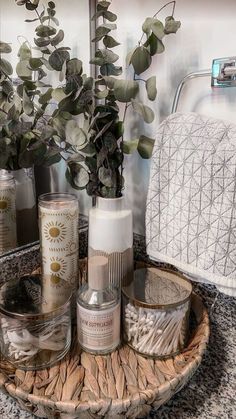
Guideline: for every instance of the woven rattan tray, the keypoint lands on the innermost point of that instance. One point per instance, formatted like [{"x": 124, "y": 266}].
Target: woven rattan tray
[{"x": 121, "y": 385}]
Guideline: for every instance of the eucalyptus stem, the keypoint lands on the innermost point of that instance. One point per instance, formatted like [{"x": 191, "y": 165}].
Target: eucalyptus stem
[{"x": 163, "y": 7}]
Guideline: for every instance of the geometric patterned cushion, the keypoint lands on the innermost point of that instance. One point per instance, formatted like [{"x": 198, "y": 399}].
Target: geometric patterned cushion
[{"x": 191, "y": 205}]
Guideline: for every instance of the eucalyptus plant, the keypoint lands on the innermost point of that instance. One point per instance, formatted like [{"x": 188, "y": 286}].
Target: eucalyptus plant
[{"x": 80, "y": 120}]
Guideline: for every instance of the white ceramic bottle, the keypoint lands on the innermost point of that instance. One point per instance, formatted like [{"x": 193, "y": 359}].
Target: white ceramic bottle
[{"x": 111, "y": 235}]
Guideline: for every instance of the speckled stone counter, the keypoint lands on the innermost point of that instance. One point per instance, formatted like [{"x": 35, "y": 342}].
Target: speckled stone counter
[{"x": 211, "y": 393}]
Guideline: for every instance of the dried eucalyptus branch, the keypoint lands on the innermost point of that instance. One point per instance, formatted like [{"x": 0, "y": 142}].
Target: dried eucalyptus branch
[{"x": 39, "y": 124}]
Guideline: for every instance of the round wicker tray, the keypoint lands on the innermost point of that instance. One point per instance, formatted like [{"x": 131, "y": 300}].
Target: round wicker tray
[{"x": 120, "y": 385}]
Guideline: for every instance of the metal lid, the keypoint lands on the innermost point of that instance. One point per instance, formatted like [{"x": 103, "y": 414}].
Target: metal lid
[
  {"x": 158, "y": 288},
  {"x": 26, "y": 297}
]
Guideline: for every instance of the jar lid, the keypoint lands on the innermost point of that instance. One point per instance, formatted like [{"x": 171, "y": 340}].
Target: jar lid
[
  {"x": 158, "y": 288},
  {"x": 30, "y": 297}
]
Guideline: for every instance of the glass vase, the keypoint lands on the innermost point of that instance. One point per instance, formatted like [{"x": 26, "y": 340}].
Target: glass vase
[{"x": 26, "y": 209}]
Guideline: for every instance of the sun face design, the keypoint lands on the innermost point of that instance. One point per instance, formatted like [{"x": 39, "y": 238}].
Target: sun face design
[
  {"x": 71, "y": 247},
  {"x": 5, "y": 204},
  {"x": 72, "y": 215},
  {"x": 58, "y": 266},
  {"x": 55, "y": 232},
  {"x": 55, "y": 280}
]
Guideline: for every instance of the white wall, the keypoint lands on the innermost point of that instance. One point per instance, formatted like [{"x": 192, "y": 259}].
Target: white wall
[
  {"x": 208, "y": 31},
  {"x": 73, "y": 18}
]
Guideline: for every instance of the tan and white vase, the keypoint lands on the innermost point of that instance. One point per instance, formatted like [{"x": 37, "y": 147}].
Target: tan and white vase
[{"x": 111, "y": 235}]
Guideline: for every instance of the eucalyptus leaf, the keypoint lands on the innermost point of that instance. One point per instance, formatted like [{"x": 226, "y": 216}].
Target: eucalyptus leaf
[
  {"x": 112, "y": 17},
  {"x": 7, "y": 87},
  {"x": 125, "y": 90},
  {"x": 58, "y": 94},
  {"x": 158, "y": 29},
  {"x": 145, "y": 147},
  {"x": 35, "y": 63},
  {"x": 51, "y": 4},
  {"x": 107, "y": 177},
  {"x": 129, "y": 56},
  {"x": 109, "y": 56},
  {"x": 109, "y": 141},
  {"x": 110, "y": 42},
  {"x": 31, "y": 20},
  {"x": 143, "y": 110},
  {"x": 5, "y": 48},
  {"x": 47, "y": 132},
  {"x": 103, "y": 5},
  {"x": 23, "y": 71},
  {"x": 28, "y": 105},
  {"x": 102, "y": 94},
  {"x": 77, "y": 176},
  {"x": 74, "y": 66},
  {"x": 41, "y": 42},
  {"x": 110, "y": 81},
  {"x": 141, "y": 59},
  {"x": 104, "y": 56},
  {"x": 55, "y": 20},
  {"x": 24, "y": 52},
  {"x": 44, "y": 98},
  {"x": 51, "y": 12},
  {"x": 41, "y": 74},
  {"x": 82, "y": 178},
  {"x": 75, "y": 135},
  {"x": 57, "y": 58},
  {"x": 101, "y": 156},
  {"x": 51, "y": 157},
  {"x": 32, "y": 5},
  {"x": 45, "y": 31},
  {"x": 5, "y": 67},
  {"x": 147, "y": 25},
  {"x": 130, "y": 146},
  {"x": 89, "y": 150},
  {"x": 110, "y": 70},
  {"x": 151, "y": 88},
  {"x": 58, "y": 38},
  {"x": 100, "y": 33},
  {"x": 171, "y": 25}
]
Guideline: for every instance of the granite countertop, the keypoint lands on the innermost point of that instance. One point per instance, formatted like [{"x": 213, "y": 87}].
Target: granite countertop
[{"x": 211, "y": 393}]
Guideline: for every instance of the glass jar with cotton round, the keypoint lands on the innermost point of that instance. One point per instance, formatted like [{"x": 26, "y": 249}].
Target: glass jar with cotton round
[
  {"x": 156, "y": 309},
  {"x": 34, "y": 333}
]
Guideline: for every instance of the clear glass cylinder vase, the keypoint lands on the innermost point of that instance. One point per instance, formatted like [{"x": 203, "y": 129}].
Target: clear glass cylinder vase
[
  {"x": 26, "y": 209},
  {"x": 111, "y": 235}
]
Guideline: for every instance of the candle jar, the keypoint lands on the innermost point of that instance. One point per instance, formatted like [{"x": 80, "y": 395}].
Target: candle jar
[
  {"x": 59, "y": 241},
  {"x": 8, "y": 236},
  {"x": 32, "y": 334},
  {"x": 156, "y": 309}
]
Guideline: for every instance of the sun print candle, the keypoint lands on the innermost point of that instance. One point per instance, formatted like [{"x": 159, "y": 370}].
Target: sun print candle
[
  {"x": 59, "y": 242},
  {"x": 8, "y": 239}
]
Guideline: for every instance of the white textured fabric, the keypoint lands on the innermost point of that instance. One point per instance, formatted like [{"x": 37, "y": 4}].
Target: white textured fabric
[{"x": 191, "y": 206}]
